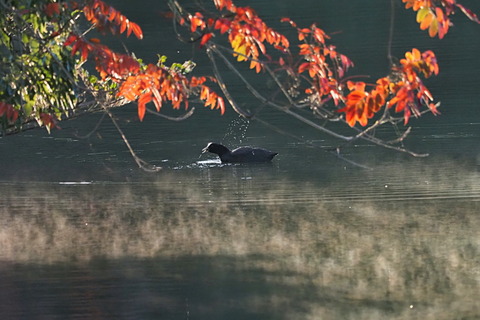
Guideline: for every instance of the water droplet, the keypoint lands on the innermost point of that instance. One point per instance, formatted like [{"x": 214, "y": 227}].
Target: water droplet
[{"x": 236, "y": 131}]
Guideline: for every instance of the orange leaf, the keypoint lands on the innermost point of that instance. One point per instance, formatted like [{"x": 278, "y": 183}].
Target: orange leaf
[
  {"x": 304, "y": 66},
  {"x": 293, "y": 24},
  {"x": 440, "y": 15},
  {"x": 426, "y": 22},
  {"x": 88, "y": 12},
  {"x": 142, "y": 101},
  {"x": 433, "y": 108},
  {"x": 221, "y": 105},
  {"x": 443, "y": 29},
  {"x": 204, "y": 93},
  {"x": 124, "y": 25},
  {"x": 319, "y": 35},
  {"x": 433, "y": 30},
  {"x": 355, "y": 96}
]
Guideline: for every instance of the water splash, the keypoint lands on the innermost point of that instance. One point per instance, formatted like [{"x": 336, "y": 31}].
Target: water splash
[{"x": 236, "y": 132}]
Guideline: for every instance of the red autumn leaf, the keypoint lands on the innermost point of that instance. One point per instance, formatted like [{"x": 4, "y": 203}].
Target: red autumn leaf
[
  {"x": 105, "y": 17},
  {"x": 222, "y": 24},
  {"x": 205, "y": 38},
  {"x": 8, "y": 110},
  {"x": 196, "y": 81},
  {"x": 48, "y": 120},
  {"x": 305, "y": 30},
  {"x": 76, "y": 46},
  {"x": 137, "y": 31},
  {"x": 71, "y": 39},
  {"x": 227, "y": 4},
  {"x": 52, "y": 9},
  {"x": 346, "y": 62},
  {"x": 304, "y": 66},
  {"x": 84, "y": 51}
]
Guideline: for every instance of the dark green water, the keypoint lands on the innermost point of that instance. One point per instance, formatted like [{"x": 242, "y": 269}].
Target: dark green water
[{"x": 84, "y": 234}]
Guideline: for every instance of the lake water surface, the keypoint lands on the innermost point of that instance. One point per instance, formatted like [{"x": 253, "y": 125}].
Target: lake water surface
[{"x": 85, "y": 234}]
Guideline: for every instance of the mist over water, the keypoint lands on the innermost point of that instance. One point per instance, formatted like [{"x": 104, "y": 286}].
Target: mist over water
[
  {"x": 397, "y": 250},
  {"x": 85, "y": 234}
]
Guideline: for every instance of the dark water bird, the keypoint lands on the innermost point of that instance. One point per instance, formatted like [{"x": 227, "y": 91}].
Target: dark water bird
[{"x": 240, "y": 155}]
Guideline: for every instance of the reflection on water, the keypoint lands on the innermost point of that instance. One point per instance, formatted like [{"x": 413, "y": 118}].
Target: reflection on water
[{"x": 233, "y": 244}]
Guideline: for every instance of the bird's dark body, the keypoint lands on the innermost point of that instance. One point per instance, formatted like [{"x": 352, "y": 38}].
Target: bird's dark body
[{"x": 240, "y": 155}]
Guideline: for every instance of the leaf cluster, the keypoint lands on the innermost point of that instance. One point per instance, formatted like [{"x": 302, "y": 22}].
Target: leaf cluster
[
  {"x": 45, "y": 58},
  {"x": 36, "y": 70},
  {"x": 313, "y": 72},
  {"x": 434, "y": 15}
]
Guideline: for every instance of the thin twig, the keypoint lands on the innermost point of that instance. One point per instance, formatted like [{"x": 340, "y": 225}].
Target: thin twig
[
  {"x": 142, "y": 164},
  {"x": 275, "y": 105},
  {"x": 390, "y": 33},
  {"x": 180, "y": 118},
  {"x": 223, "y": 87},
  {"x": 88, "y": 135}
]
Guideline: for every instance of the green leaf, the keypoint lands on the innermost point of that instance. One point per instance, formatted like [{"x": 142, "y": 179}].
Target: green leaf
[
  {"x": 25, "y": 39},
  {"x": 92, "y": 79},
  {"x": 161, "y": 60},
  {"x": 28, "y": 107},
  {"x": 5, "y": 39},
  {"x": 421, "y": 14}
]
